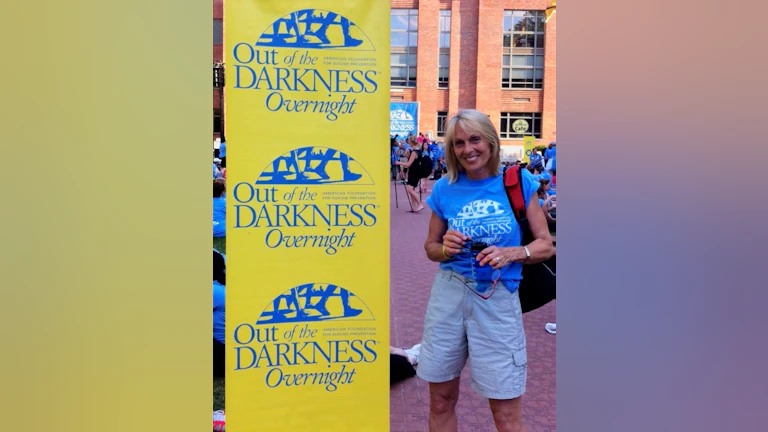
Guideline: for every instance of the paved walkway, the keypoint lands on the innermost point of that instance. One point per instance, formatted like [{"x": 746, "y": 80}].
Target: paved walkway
[{"x": 411, "y": 280}]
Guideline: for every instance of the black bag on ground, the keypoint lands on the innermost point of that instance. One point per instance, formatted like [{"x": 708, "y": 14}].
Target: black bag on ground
[
  {"x": 400, "y": 369},
  {"x": 539, "y": 284}
]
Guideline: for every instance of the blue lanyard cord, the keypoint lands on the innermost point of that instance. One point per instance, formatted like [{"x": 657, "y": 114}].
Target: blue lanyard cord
[{"x": 495, "y": 276}]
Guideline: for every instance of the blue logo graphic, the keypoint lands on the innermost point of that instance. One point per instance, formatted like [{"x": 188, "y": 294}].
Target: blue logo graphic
[
  {"x": 403, "y": 118},
  {"x": 313, "y": 166},
  {"x": 315, "y": 29},
  {"x": 480, "y": 209},
  {"x": 314, "y": 302}
]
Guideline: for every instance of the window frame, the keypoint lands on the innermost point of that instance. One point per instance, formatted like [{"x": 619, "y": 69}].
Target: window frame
[
  {"x": 508, "y": 118},
  {"x": 444, "y": 51},
  {"x": 534, "y": 55},
  {"x": 409, "y": 50},
  {"x": 440, "y": 128},
  {"x": 219, "y": 33}
]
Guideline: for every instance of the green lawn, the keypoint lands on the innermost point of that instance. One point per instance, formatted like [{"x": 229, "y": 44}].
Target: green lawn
[
  {"x": 218, "y": 394},
  {"x": 220, "y": 244}
]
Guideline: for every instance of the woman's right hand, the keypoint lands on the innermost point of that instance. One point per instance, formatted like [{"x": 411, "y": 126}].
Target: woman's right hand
[{"x": 454, "y": 242}]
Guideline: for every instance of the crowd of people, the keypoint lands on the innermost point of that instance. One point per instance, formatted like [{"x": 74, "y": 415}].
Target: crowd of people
[{"x": 414, "y": 160}]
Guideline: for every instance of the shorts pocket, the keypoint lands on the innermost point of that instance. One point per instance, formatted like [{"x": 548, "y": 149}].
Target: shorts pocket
[{"x": 520, "y": 357}]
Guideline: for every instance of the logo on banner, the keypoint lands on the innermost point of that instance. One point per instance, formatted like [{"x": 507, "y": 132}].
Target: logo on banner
[
  {"x": 306, "y": 214},
  {"x": 315, "y": 302},
  {"x": 316, "y": 29},
  {"x": 314, "y": 165},
  {"x": 401, "y": 121},
  {"x": 286, "y": 336},
  {"x": 283, "y": 65}
]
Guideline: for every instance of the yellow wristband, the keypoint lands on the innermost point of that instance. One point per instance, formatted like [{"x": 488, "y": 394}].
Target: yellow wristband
[{"x": 444, "y": 254}]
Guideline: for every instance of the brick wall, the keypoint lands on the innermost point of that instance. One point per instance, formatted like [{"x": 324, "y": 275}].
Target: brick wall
[
  {"x": 426, "y": 70},
  {"x": 404, "y": 4},
  {"x": 475, "y": 64},
  {"x": 549, "y": 118}
]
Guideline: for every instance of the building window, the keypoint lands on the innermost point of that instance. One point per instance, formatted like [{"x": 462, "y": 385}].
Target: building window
[
  {"x": 218, "y": 32},
  {"x": 444, "y": 54},
  {"x": 522, "y": 62},
  {"x": 216, "y": 121},
  {"x": 403, "y": 40},
  {"x": 518, "y": 125},
  {"x": 442, "y": 116}
]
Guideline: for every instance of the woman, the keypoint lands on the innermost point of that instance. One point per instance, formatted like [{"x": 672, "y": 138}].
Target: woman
[
  {"x": 474, "y": 308},
  {"x": 403, "y": 155},
  {"x": 219, "y": 208},
  {"x": 414, "y": 174},
  {"x": 546, "y": 201},
  {"x": 426, "y": 166}
]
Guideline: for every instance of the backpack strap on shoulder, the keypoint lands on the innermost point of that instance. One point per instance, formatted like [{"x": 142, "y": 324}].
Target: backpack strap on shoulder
[{"x": 513, "y": 184}]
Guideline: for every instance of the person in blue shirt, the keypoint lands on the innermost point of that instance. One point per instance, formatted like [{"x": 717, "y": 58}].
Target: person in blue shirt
[
  {"x": 216, "y": 168},
  {"x": 535, "y": 158},
  {"x": 539, "y": 174},
  {"x": 433, "y": 155},
  {"x": 219, "y": 208},
  {"x": 219, "y": 314},
  {"x": 223, "y": 154},
  {"x": 549, "y": 156},
  {"x": 474, "y": 309}
]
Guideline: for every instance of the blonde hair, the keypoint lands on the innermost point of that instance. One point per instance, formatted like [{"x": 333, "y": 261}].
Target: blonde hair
[{"x": 470, "y": 120}]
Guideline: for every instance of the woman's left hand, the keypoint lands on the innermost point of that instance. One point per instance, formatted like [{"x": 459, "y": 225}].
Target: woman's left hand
[{"x": 496, "y": 257}]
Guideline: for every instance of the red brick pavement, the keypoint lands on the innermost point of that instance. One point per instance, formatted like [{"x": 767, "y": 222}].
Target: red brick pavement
[{"x": 411, "y": 280}]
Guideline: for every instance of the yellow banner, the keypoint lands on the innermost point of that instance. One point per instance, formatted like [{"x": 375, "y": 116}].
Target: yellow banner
[
  {"x": 307, "y": 102},
  {"x": 529, "y": 143}
]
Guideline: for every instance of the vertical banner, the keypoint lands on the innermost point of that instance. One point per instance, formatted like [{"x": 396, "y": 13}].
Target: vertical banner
[
  {"x": 308, "y": 216},
  {"x": 529, "y": 143},
  {"x": 403, "y": 118}
]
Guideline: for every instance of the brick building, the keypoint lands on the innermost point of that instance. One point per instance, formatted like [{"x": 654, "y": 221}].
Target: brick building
[{"x": 497, "y": 56}]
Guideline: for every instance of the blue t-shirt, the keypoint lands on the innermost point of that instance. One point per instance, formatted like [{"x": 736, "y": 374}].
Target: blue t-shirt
[
  {"x": 535, "y": 159},
  {"x": 219, "y": 217},
  {"x": 543, "y": 176},
  {"x": 215, "y": 171},
  {"x": 481, "y": 210},
  {"x": 219, "y": 312},
  {"x": 223, "y": 150},
  {"x": 433, "y": 151}
]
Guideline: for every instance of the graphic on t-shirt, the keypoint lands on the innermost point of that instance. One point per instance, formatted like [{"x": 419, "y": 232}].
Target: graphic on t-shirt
[
  {"x": 314, "y": 302},
  {"x": 483, "y": 220},
  {"x": 480, "y": 208}
]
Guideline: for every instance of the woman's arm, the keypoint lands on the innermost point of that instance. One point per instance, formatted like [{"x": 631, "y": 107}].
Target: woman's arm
[
  {"x": 410, "y": 160},
  {"x": 541, "y": 248},
  {"x": 438, "y": 236}
]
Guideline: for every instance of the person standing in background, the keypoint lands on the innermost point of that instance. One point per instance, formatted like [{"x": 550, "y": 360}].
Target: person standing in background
[{"x": 223, "y": 154}]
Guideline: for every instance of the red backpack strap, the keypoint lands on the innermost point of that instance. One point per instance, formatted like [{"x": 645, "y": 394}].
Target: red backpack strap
[{"x": 513, "y": 184}]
